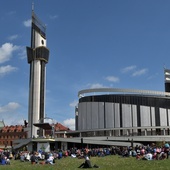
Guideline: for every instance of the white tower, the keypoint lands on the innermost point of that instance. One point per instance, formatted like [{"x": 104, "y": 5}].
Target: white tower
[{"x": 38, "y": 56}]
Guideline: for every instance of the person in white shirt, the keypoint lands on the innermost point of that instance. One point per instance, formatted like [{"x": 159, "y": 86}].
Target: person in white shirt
[
  {"x": 148, "y": 156},
  {"x": 50, "y": 159}
]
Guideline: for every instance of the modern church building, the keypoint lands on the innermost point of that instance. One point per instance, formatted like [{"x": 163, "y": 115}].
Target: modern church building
[{"x": 125, "y": 114}]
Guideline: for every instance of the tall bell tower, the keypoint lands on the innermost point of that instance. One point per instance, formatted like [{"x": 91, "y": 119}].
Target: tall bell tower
[{"x": 37, "y": 56}]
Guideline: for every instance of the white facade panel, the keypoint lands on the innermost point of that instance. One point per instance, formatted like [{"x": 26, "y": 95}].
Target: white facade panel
[
  {"x": 30, "y": 104},
  {"x": 109, "y": 115},
  {"x": 39, "y": 40},
  {"x": 84, "y": 116},
  {"x": 95, "y": 117},
  {"x": 153, "y": 120},
  {"x": 44, "y": 92},
  {"x": 89, "y": 116},
  {"x": 126, "y": 115},
  {"x": 101, "y": 115},
  {"x": 145, "y": 116},
  {"x": 117, "y": 114},
  {"x": 168, "y": 117},
  {"x": 36, "y": 95},
  {"x": 134, "y": 116},
  {"x": 80, "y": 107},
  {"x": 163, "y": 117}
]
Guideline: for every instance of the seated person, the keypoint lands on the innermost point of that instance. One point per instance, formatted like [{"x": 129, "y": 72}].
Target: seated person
[
  {"x": 8, "y": 161},
  {"x": 2, "y": 160},
  {"x": 148, "y": 156},
  {"x": 22, "y": 158},
  {"x": 34, "y": 159},
  {"x": 86, "y": 164},
  {"x": 50, "y": 160},
  {"x": 27, "y": 157}
]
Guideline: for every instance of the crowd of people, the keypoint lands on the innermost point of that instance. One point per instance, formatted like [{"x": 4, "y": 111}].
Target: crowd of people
[
  {"x": 149, "y": 152},
  {"x": 5, "y": 157},
  {"x": 39, "y": 157}
]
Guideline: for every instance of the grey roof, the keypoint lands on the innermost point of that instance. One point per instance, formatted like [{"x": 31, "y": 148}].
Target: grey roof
[{"x": 83, "y": 93}]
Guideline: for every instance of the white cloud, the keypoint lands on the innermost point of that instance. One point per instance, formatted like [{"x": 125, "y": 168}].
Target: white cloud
[
  {"x": 7, "y": 69},
  {"x": 13, "y": 37},
  {"x": 140, "y": 72},
  {"x": 11, "y": 13},
  {"x": 112, "y": 79},
  {"x": 14, "y": 121},
  {"x": 74, "y": 103},
  {"x": 9, "y": 107},
  {"x": 129, "y": 68},
  {"x": 53, "y": 16},
  {"x": 134, "y": 71},
  {"x": 49, "y": 120},
  {"x": 97, "y": 85},
  {"x": 22, "y": 53},
  {"x": 27, "y": 23},
  {"x": 153, "y": 76},
  {"x": 6, "y": 51},
  {"x": 70, "y": 123}
]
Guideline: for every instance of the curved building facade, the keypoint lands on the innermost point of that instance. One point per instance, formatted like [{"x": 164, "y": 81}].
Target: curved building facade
[{"x": 123, "y": 112}]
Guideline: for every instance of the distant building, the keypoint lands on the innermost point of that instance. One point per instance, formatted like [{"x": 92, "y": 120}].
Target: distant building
[
  {"x": 2, "y": 124},
  {"x": 10, "y": 133},
  {"x": 57, "y": 131}
]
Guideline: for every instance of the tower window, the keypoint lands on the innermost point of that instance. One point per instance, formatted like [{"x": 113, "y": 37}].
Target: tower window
[{"x": 42, "y": 42}]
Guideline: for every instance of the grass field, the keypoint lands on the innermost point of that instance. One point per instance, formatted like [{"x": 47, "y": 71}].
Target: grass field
[{"x": 105, "y": 163}]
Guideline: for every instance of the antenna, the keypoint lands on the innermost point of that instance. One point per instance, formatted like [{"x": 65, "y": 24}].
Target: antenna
[
  {"x": 164, "y": 67},
  {"x": 33, "y": 6}
]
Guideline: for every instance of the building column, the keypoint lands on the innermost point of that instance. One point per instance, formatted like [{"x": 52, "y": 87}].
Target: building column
[{"x": 145, "y": 132}]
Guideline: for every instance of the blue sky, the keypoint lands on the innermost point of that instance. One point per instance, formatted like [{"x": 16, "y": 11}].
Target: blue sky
[{"x": 92, "y": 43}]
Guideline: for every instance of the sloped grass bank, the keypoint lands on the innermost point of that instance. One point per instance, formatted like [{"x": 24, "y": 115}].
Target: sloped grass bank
[{"x": 105, "y": 163}]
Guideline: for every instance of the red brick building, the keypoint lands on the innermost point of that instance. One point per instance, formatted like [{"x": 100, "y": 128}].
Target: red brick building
[
  {"x": 58, "y": 127},
  {"x": 10, "y": 133}
]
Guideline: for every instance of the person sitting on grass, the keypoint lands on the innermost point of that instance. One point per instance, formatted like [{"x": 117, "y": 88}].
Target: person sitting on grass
[
  {"x": 50, "y": 160},
  {"x": 4, "y": 160},
  {"x": 125, "y": 153},
  {"x": 34, "y": 159},
  {"x": 27, "y": 158},
  {"x": 22, "y": 157},
  {"x": 148, "y": 156},
  {"x": 87, "y": 163}
]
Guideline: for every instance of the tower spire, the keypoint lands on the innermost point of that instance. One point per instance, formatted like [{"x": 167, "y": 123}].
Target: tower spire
[{"x": 32, "y": 6}]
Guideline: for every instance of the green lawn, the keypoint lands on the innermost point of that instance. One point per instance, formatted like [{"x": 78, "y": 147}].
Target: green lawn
[{"x": 105, "y": 163}]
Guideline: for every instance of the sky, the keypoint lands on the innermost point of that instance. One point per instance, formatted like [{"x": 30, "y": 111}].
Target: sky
[{"x": 92, "y": 43}]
